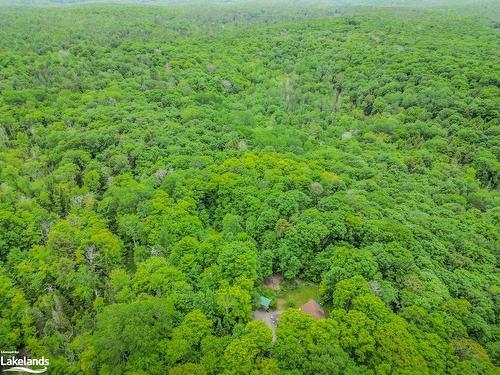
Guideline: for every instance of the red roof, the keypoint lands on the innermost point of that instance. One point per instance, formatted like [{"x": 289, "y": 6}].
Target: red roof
[{"x": 313, "y": 308}]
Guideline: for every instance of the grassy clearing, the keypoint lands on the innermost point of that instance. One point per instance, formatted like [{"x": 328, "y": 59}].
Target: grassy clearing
[{"x": 294, "y": 297}]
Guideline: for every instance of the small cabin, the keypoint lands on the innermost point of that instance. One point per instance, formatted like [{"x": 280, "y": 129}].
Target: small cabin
[
  {"x": 313, "y": 308},
  {"x": 264, "y": 302}
]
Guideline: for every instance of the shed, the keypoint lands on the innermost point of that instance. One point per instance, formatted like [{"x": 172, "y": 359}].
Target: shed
[
  {"x": 264, "y": 302},
  {"x": 313, "y": 308}
]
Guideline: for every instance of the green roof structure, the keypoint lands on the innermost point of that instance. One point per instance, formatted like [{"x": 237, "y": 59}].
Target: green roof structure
[{"x": 264, "y": 302}]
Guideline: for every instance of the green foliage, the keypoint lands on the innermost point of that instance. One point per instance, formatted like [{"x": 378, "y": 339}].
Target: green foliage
[
  {"x": 15, "y": 317},
  {"x": 130, "y": 337},
  {"x": 158, "y": 163}
]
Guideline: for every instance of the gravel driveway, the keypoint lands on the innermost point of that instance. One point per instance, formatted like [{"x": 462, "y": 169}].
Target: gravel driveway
[{"x": 269, "y": 317}]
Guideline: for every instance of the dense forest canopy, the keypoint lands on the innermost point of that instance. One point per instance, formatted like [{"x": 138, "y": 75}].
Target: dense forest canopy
[{"x": 159, "y": 163}]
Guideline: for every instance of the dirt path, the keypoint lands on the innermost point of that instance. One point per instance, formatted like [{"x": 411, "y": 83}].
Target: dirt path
[{"x": 274, "y": 281}]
